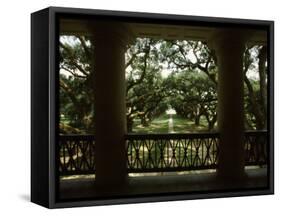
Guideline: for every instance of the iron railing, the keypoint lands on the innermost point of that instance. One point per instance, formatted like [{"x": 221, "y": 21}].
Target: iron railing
[
  {"x": 172, "y": 152},
  {"x": 76, "y": 154},
  {"x": 256, "y": 148},
  {"x": 159, "y": 152}
]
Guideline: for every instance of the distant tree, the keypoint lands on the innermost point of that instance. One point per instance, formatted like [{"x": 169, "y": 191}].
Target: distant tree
[
  {"x": 146, "y": 91},
  {"x": 144, "y": 84},
  {"x": 194, "y": 95},
  {"x": 195, "y": 81},
  {"x": 196, "y": 56},
  {"x": 76, "y": 86},
  {"x": 255, "y": 77},
  {"x": 190, "y": 55}
]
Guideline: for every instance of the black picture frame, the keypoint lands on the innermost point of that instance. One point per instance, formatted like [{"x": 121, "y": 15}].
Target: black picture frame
[{"x": 44, "y": 103}]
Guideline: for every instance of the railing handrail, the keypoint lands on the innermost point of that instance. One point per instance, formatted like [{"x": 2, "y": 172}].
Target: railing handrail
[
  {"x": 76, "y": 136},
  {"x": 249, "y": 132},
  {"x": 171, "y": 135},
  {"x": 164, "y": 135}
]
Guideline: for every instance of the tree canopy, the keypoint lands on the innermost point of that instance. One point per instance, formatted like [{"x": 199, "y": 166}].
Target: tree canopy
[{"x": 159, "y": 73}]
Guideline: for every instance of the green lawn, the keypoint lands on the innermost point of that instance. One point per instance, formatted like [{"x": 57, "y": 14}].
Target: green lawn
[{"x": 160, "y": 125}]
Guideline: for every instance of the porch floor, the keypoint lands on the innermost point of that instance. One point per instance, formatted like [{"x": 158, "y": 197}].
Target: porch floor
[{"x": 170, "y": 183}]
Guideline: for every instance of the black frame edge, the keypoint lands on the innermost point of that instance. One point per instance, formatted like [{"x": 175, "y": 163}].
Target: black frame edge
[
  {"x": 271, "y": 106},
  {"x": 162, "y": 198},
  {"x": 53, "y": 107},
  {"x": 39, "y": 108},
  {"x": 161, "y": 16}
]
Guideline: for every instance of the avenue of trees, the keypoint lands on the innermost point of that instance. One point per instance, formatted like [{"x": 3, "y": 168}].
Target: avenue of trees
[{"x": 159, "y": 73}]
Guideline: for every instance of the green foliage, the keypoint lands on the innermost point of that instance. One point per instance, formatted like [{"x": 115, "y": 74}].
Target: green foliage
[
  {"x": 146, "y": 90},
  {"x": 190, "y": 86},
  {"x": 76, "y": 88},
  {"x": 255, "y": 93},
  {"x": 194, "y": 95}
]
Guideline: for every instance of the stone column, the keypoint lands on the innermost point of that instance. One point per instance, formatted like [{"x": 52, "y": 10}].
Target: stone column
[
  {"x": 229, "y": 47},
  {"x": 109, "y": 40}
]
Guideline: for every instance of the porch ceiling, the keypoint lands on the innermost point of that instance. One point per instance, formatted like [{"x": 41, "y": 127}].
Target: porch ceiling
[{"x": 161, "y": 31}]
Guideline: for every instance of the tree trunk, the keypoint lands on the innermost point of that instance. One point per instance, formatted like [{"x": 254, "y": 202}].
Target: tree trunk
[
  {"x": 197, "y": 120},
  {"x": 255, "y": 106},
  {"x": 144, "y": 121},
  {"x": 262, "y": 73},
  {"x": 130, "y": 123},
  {"x": 211, "y": 123}
]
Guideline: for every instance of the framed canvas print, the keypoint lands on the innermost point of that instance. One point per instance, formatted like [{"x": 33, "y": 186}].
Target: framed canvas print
[{"x": 138, "y": 107}]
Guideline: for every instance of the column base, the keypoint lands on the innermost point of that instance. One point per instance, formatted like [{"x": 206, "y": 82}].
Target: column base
[
  {"x": 232, "y": 180},
  {"x": 112, "y": 188}
]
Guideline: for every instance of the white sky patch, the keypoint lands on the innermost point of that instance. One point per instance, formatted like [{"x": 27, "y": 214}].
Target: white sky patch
[
  {"x": 71, "y": 40},
  {"x": 191, "y": 57},
  {"x": 68, "y": 74},
  {"x": 165, "y": 72},
  {"x": 65, "y": 73},
  {"x": 253, "y": 73}
]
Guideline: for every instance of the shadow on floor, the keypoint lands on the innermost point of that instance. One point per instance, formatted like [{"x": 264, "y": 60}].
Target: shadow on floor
[{"x": 25, "y": 197}]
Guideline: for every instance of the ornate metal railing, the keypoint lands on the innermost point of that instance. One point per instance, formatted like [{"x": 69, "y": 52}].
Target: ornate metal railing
[
  {"x": 256, "y": 147},
  {"x": 159, "y": 152},
  {"x": 172, "y": 152},
  {"x": 76, "y": 154}
]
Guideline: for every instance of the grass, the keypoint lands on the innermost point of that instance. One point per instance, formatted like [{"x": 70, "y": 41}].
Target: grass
[{"x": 160, "y": 125}]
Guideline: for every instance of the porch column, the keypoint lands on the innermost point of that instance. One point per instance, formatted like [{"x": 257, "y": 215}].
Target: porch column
[
  {"x": 229, "y": 47},
  {"x": 109, "y": 40}
]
